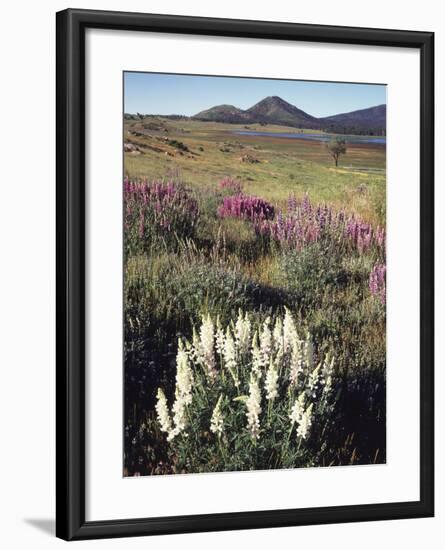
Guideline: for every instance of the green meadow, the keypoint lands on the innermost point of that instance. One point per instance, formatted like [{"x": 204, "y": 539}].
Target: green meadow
[{"x": 284, "y": 165}]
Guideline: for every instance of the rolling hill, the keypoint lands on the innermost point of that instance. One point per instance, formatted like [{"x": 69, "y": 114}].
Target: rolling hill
[
  {"x": 275, "y": 110},
  {"x": 372, "y": 119},
  {"x": 224, "y": 113}
]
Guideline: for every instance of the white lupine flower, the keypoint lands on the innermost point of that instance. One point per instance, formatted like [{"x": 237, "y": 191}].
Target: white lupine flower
[
  {"x": 162, "y": 412},
  {"x": 328, "y": 369},
  {"x": 297, "y": 409},
  {"x": 219, "y": 337},
  {"x": 309, "y": 352},
  {"x": 278, "y": 333},
  {"x": 207, "y": 341},
  {"x": 296, "y": 361},
  {"x": 279, "y": 356},
  {"x": 273, "y": 350},
  {"x": 266, "y": 343},
  {"x": 195, "y": 350},
  {"x": 229, "y": 350},
  {"x": 305, "y": 423},
  {"x": 189, "y": 349},
  {"x": 230, "y": 356},
  {"x": 184, "y": 375},
  {"x": 290, "y": 334},
  {"x": 217, "y": 420},
  {"x": 271, "y": 383},
  {"x": 314, "y": 377},
  {"x": 257, "y": 362},
  {"x": 179, "y": 416},
  {"x": 183, "y": 393},
  {"x": 253, "y": 405},
  {"x": 242, "y": 332}
]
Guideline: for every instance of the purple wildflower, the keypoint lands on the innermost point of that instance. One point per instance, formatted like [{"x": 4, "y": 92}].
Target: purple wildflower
[
  {"x": 231, "y": 185},
  {"x": 377, "y": 282},
  {"x": 246, "y": 207},
  {"x": 305, "y": 223},
  {"x": 157, "y": 208}
]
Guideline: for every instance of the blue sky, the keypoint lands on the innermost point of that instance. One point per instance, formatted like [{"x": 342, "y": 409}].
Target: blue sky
[{"x": 154, "y": 93}]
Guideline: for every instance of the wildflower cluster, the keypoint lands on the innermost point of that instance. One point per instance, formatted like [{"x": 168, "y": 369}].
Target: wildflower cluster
[
  {"x": 377, "y": 282},
  {"x": 247, "y": 207},
  {"x": 157, "y": 210},
  {"x": 231, "y": 184},
  {"x": 305, "y": 223},
  {"x": 247, "y": 382}
]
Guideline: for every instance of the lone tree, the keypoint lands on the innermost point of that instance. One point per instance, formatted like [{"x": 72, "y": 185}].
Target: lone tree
[{"x": 336, "y": 147}]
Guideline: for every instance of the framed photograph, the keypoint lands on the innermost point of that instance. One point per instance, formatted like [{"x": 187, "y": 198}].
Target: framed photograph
[{"x": 245, "y": 216}]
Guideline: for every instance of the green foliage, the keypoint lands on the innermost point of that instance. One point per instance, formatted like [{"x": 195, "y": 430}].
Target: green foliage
[
  {"x": 330, "y": 291},
  {"x": 178, "y": 145},
  {"x": 336, "y": 147},
  {"x": 312, "y": 271}
]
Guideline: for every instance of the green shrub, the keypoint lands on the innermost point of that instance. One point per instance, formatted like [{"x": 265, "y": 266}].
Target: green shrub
[{"x": 310, "y": 272}]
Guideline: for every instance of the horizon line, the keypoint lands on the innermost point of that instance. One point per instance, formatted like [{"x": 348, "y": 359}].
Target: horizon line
[{"x": 245, "y": 110}]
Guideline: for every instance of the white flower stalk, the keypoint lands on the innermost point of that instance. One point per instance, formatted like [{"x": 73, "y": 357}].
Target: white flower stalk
[
  {"x": 305, "y": 423},
  {"x": 183, "y": 396},
  {"x": 242, "y": 332},
  {"x": 271, "y": 382},
  {"x": 207, "y": 342},
  {"x": 219, "y": 344},
  {"x": 162, "y": 412},
  {"x": 296, "y": 361},
  {"x": 195, "y": 348},
  {"x": 229, "y": 350},
  {"x": 278, "y": 333},
  {"x": 314, "y": 378},
  {"x": 179, "y": 416},
  {"x": 253, "y": 405},
  {"x": 229, "y": 353},
  {"x": 326, "y": 375},
  {"x": 257, "y": 361},
  {"x": 309, "y": 352},
  {"x": 290, "y": 334},
  {"x": 266, "y": 343},
  {"x": 297, "y": 409},
  {"x": 217, "y": 420},
  {"x": 279, "y": 356},
  {"x": 184, "y": 375}
]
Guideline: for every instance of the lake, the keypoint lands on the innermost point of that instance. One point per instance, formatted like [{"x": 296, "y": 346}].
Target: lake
[{"x": 380, "y": 140}]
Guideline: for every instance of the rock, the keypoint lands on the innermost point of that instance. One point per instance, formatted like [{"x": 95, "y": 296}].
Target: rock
[
  {"x": 130, "y": 148},
  {"x": 249, "y": 159}
]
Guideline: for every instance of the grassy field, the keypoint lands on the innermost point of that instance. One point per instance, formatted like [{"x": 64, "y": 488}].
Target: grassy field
[
  {"x": 231, "y": 234},
  {"x": 284, "y": 165}
]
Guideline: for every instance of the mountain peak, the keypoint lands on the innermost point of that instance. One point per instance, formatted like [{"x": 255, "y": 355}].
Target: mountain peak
[
  {"x": 277, "y": 99},
  {"x": 272, "y": 100},
  {"x": 274, "y": 109}
]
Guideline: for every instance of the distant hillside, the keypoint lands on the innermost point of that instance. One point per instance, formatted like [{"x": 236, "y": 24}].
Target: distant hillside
[
  {"x": 270, "y": 110},
  {"x": 275, "y": 110},
  {"x": 224, "y": 113},
  {"x": 372, "y": 120}
]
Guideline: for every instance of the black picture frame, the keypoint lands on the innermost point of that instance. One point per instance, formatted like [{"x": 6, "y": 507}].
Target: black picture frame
[{"x": 70, "y": 174}]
